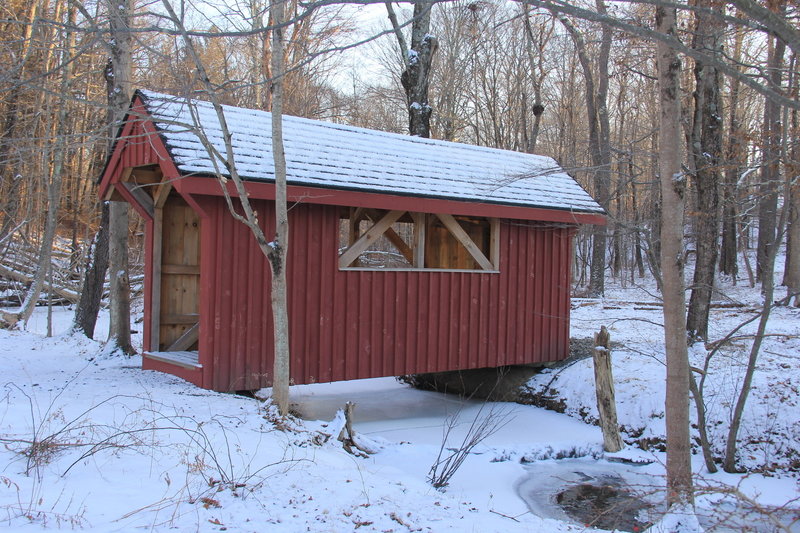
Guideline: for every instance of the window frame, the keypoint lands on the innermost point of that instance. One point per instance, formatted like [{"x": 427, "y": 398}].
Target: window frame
[{"x": 382, "y": 222}]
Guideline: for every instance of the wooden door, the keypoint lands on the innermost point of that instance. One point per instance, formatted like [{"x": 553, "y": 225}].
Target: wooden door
[{"x": 180, "y": 276}]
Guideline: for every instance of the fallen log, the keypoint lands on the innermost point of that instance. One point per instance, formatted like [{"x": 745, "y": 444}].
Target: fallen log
[{"x": 67, "y": 294}]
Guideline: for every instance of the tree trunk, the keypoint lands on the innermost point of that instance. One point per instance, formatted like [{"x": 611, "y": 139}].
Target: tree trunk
[
  {"x": 706, "y": 152},
  {"x": 536, "y": 63},
  {"x": 602, "y": 177},
  {"x": 119, "y": 90},
  {"x": 770, "y": 171},
  {"x": 119, "y": 331},
  {"x": 734, "y": 153},
  {"x": 702, "y": 426},
  {"x": 791, "y": 272},
  {"x": 280, "y": 246},
  {"x": 599, "y": 139},
  {"x": 274, "y": 251},
  {"x": 637, "y": 236},
  {"x": 673, "y": 189},
  {"x": 417, "y": 60},
  {"x": 94, "y": 278},
  {"x": 616, "y": 238}
]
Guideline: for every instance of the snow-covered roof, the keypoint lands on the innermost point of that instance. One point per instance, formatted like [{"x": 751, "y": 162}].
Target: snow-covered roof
[{"x": 335, "y": 156}]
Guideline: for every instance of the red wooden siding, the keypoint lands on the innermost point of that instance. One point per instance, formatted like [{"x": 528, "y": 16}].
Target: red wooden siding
[
  {"x": 356, "y": 324},
  {"x": 138, "y": 144},
  {"x": 139, "y": 150},
  {"x": 359, "y": 324}
]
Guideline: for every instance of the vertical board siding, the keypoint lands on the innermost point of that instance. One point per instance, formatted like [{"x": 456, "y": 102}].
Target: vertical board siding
[
  {"x": 139, "y": 150},
  {"x": 348, "y": 324}
]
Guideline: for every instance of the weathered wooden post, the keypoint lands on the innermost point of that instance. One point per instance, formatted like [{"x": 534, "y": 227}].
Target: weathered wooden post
[{"x": 604, "y": 389}]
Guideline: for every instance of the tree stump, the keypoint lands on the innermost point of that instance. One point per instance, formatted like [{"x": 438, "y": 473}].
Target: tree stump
[
  {"x": 604, "y": 388},
  {"x": 348, "y": 437}
]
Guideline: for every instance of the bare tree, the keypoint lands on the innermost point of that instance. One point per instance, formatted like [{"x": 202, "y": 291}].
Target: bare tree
[
  {"x": 792, "y": 270},
  {"x": 599, "y": 138},
  {"x": 95, "y": 269},
  {"x": 706, "y": 153},
  {"x": 770, "y": 169},
  {"x": 536, "y": 63},
  {"x": 768, "y": 289},
  {"x": 276, "y": 250},
  {"x": 21, "y": 53},
  {"x": 673, "y": 190},
  {"x": 760, "y": 83},
  {"x": 118, "y": 83},
  {"x": 54, "y": 183},
  {"x": 792, "y": 266},
  {"x": 279, "y": 248},
  {"x": 728, "y": 263},
  {"x": 417, "y": 60}
]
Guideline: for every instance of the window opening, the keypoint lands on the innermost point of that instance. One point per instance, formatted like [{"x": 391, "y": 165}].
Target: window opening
[{"x": 380, "y": 239}]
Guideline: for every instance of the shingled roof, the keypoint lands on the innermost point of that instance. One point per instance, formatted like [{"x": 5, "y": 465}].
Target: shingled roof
[{"x": 335, "y": 156}]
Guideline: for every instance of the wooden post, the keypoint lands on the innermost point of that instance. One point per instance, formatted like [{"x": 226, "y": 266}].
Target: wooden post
[
  {"x": 604, "y": 388},
  {"x": 419, "y": 239},
  {"x": 155, "y": 281}
]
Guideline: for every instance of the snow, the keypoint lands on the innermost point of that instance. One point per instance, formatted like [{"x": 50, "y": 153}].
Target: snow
[
  {"x": 771, "y": 428},
  {"x": 128, "y": 450},
  {"x": 679, "y": 519},
  {"x": 121, "y": 449},
  {"x": 324, "y": 154}
]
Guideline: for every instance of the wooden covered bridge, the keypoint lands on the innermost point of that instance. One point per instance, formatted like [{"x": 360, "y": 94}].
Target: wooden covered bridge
[{"x": 406, "y": 255}]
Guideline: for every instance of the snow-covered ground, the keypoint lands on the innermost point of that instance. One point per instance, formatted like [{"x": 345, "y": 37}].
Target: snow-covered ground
[
  {"x": 119, "y": 449},
  {"x": 770, "y": 434}
]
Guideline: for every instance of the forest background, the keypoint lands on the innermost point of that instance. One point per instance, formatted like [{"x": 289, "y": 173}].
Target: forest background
[{"x": 503, "y": 74}]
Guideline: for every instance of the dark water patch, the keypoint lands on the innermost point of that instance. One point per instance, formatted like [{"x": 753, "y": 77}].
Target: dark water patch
[
  {"x": 595, "y": 493},
  {"x": 604, "y": 503}
]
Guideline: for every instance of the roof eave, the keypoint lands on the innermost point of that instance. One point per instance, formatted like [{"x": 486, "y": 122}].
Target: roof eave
[{"x": 207, "y": 185}]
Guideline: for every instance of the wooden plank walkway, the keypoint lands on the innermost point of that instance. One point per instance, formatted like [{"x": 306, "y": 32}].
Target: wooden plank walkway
[{"x": 184, "y": 359}]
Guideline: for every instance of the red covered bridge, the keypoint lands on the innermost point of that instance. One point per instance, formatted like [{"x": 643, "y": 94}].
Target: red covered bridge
[{"x": 406, "y": 255}]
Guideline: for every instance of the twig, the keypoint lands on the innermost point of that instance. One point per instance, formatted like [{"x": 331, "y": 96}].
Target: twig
[{"x": 514, "y": 518}]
